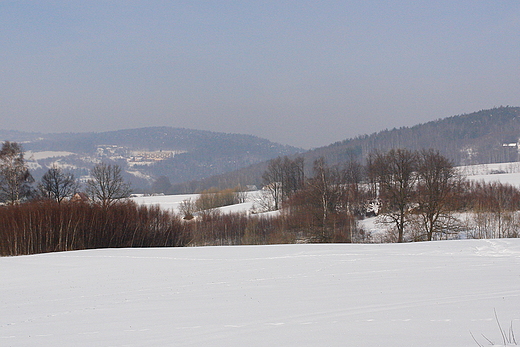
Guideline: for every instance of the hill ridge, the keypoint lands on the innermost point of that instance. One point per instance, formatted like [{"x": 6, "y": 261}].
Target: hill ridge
[
  {"x": 470, "y": 138},
  {"x": 195, "y": 154}
]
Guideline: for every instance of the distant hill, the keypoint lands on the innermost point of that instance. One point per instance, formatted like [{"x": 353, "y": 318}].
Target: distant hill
[
  {"x": 192, "y": 160},
  {"x": 18, "y": 136},
  {"x": 475, "y": 138},
  {"x": 148, "y": 153}
]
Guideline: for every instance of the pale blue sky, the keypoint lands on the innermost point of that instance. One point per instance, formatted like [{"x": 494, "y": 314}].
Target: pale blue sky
[{"x": 305, "y": 73}]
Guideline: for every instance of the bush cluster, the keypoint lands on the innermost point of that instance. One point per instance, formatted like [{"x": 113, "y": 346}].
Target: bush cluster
[
  {"x": 213, "y": 198},
  {"x": 216, "y": 229},
  {"x": 46, "y": 226}
]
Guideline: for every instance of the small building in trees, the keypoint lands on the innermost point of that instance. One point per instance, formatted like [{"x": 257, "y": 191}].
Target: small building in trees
[{"x": 80, "y": 197}]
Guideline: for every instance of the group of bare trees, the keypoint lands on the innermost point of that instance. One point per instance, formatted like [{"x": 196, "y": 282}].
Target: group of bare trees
[
  {"x": 410, "y": 187},
  {"x": 105, "y": 186},
  {"x": 417, "y": 195},
  {"x": 321, "y": 207},
  {"x": 495, "y": 210},
  {"x": 283, "y": 177},
  {"x": 43, "y": 216},
  {"x": 46, "y": 226},
  {"x": 414, "y": 185}
]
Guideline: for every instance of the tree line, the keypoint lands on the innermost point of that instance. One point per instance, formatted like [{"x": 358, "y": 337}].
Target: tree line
[{"x": 105, "y": 186}]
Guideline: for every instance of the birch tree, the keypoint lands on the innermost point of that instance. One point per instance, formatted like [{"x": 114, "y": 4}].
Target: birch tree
[{"x": 15, "y": 178}]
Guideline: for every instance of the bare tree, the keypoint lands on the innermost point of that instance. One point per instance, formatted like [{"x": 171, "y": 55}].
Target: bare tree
[
  {"x": 437, "y": 182},
  {"x": 107, "y": 185},
  {"x": 293, "y": 175},
  {"x": 354, "y": 195},
  {"x": 394, "y": 174},
  {"x": 324, "y": 188},
  {"x": 272, "y": 178},
  {"x": 187, "y": 208},
  {"x": 57, "y": 185},
  {"x": 321, "y": 209},
  {"x": 15, "y": 178},
  {"x": 283, "y": 177},
  {"x": 326, "y": 192}
]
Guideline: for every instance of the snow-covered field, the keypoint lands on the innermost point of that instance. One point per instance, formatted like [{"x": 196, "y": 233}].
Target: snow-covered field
[
  {"x": 167, "y": 202},
  {"x": 46, "y": 154},
  {"x": 172, "y": 202},
  {"x": 507, "y": 173},
  {"x": 417, "y": 294}
]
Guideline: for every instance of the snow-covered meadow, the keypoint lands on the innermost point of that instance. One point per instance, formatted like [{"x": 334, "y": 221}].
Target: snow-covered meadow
[
  {"x": 415, "y": 294},
  {"x": 172, "y": 202},
  {"x": 167, "y": 202},
  {"x": 507, "y": 173}
]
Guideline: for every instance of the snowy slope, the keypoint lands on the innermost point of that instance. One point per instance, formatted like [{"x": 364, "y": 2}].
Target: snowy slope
[
  {"x": 167, "y": 202},
  {"x": 507, "y": 173},
  {"x": 391, "y": 295},
  {"x": 172, "y": 202}
]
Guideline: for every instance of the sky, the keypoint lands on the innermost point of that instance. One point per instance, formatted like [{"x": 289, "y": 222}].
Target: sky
[{"x": 304, "y": 73}]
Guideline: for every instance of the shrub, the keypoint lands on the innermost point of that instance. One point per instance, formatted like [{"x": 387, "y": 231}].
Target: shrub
[
  {"x": 46, "y": 226},
  {"x": 213, "y": 198},
  {"x": 215, "y": 229}
]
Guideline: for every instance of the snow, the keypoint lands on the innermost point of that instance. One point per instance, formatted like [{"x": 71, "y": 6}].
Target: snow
[
  {"x": 237, "y": 208},
  {"x": 139, "y": 174},
  {"x": 489, "y": 169},
  {"x": 46, "y": 154},
  {"x": 507, "y": 173},
  {"x": 166, "y": 202},
  {"x": 172, "y": 202},
  {"x": 416, "y": 294},
  {"x": 506, "y": 178}
]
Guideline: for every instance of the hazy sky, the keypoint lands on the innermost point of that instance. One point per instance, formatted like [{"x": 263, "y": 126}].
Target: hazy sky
[{"x": 305, "y": 73}]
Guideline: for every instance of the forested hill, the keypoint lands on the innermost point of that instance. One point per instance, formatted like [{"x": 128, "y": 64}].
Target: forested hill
[
  {"x": 198, "y": 154},
  {"x": 157, "y": 138},
  {"x": 466, "y": 139}
]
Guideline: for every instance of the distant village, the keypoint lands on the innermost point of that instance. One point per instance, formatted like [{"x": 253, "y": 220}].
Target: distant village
[{"x": 114, "y": 152}]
